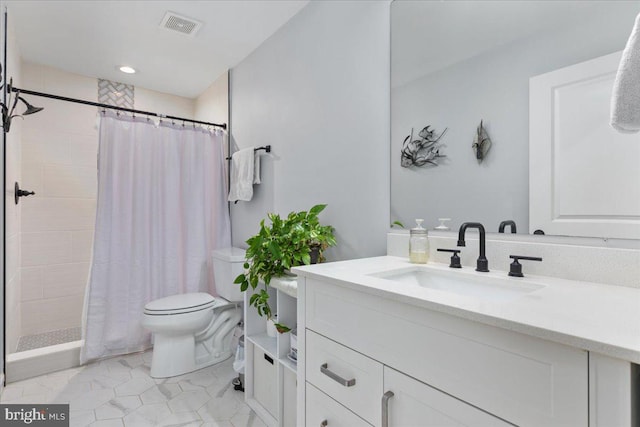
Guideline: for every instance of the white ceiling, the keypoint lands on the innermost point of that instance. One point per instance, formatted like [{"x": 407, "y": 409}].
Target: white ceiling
[
  {"x": 431, "y": 35},
  {"x": 94, "y": 38}
]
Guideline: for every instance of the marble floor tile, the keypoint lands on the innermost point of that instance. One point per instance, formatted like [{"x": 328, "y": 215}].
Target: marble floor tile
[
  {"x": 108, "y": 381},
  {"x": 182, "y": 419},
  {"x": 107, "y": 423},
  {"x": 189, "y": 401},
  {"x": 11, "y": 392},
  {"x": 70, "y": 392},
  {"x": 147, "y": 415},
  {"x": 118, "y": 407},
  {"x": 160, "y": 393},
  {"x": 220, "y": 408},
  {"x": 247, "y": 420},
  {"x": 32, "y": 387},
  {"x": 225, "y": 423},
  {"x": 201, "y": 378},
  {"x": 120, "y": 392},
  {"x": 81, "y": 418},
  {"x": 135, "y": 386},
  {"x": 91, "y": 399},
  {"x": 34, "y": 398}
]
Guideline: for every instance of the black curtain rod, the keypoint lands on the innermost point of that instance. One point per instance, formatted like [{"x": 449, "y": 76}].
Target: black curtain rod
[{"x": 111, "y": 107}]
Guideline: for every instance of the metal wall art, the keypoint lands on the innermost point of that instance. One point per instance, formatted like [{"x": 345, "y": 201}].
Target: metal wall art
[
  {"x": 424, "y": 151},
  {"x": 481, "y": 143}
]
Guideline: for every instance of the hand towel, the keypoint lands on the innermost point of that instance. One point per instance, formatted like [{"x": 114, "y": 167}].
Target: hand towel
[
  {"x": 625, "y": 101},
  {"x": 256, "y": 168},
  {"x": 242, "y": 169}
]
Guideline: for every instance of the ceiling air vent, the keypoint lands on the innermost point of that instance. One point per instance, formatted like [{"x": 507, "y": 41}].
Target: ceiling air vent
[{"x": 182, "y": 24}]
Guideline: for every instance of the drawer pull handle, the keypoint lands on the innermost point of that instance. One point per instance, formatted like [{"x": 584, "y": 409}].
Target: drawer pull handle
[
  {"x": 324, "y": 423},
  {"x": 385, "y": 408},
  {"x": 337, "y": 378}
]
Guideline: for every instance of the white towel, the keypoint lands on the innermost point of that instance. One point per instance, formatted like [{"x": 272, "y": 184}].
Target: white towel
[
  {"x": 242, "y": 170},
  {"x": 256, "y": 168},
  {"x": 625, "y": 101}
]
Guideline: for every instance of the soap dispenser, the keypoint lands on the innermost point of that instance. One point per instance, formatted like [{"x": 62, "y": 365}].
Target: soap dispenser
[
  {"x": 443, "y": 226},
  {"x": 418, "y": 244}
]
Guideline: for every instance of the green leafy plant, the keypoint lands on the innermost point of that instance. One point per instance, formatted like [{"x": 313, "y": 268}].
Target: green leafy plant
[{"x": 298, "y": 239}]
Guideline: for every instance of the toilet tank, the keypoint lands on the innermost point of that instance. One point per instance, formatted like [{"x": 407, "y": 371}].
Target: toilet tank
[{"x": 227, "y": 265}]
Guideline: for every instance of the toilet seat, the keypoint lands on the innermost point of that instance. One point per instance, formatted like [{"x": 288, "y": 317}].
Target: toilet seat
[{"x": 182, "y": 304}]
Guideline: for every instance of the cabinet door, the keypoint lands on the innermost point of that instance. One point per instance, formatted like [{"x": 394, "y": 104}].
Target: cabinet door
[
  {"x": 265, "y": 380},
  {"x": 416, "y": 404}
]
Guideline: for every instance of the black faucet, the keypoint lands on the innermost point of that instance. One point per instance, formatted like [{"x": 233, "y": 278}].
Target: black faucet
[
  {"x": 482, "y": 264},
  {"x": 509, "y": 222}
]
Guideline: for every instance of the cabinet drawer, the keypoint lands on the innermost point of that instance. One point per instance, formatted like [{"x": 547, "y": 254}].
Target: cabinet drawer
[
  {"x": 416, "y": 404},
  {"x": 324, "y": 411},
  {"x": 329, "y": 363}
]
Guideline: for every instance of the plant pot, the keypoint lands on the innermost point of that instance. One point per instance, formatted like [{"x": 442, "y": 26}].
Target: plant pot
[
  {"x": 314, "y": 253},
  {"x": 271, "y": 327}
]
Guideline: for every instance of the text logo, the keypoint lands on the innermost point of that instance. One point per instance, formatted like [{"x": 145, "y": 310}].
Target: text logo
[{"x": 35, "y": 415}]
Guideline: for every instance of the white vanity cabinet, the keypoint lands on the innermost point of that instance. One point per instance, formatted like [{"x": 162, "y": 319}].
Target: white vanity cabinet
[{"x": 441, "y": 369}]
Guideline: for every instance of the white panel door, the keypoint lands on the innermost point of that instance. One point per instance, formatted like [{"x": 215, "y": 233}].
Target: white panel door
[
  {"x": 584, "y": 177},
  {"x": 414, "y": 404}
]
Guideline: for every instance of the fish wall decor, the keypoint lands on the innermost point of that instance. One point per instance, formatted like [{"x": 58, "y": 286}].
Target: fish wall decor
[{"x": 481, "y": 143}]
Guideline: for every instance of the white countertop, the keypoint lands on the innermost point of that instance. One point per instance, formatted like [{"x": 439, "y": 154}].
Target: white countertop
[{"x": 600, "y": 318}]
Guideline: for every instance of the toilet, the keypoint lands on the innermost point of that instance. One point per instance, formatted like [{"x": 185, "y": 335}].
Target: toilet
[{"x": 192, "y": 331}]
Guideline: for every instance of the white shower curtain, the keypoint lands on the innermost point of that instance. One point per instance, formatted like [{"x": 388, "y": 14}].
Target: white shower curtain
[{"x": 161, "y": 210}]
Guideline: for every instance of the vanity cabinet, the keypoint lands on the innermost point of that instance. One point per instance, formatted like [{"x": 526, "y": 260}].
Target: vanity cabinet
[{"x": 441, "y": 369}]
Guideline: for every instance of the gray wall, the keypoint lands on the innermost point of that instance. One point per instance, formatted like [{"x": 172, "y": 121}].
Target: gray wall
[
  {"x": 495, "y": 87},
  {"x": 318, "y": 92}
]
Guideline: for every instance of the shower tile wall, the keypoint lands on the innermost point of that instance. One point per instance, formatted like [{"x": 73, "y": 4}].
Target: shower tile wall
[
  {"x": 13, "y": 170},
  {"x": 59, "y": 154},
  {"x": 59, "y": 157}
]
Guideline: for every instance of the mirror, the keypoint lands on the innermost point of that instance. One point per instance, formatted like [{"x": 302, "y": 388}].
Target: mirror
[{"x": 455, "y": 64}]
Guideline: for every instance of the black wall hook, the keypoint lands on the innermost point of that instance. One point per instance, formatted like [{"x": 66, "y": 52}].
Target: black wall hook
[{"x": 17, "y": 193}]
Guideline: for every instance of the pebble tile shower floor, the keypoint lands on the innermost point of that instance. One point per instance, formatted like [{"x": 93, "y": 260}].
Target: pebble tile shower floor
[
  {"x": 119, "y": 392},
  {"x": 46, "y": 339}
]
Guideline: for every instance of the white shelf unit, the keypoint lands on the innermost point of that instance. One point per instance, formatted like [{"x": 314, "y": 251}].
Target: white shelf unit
[{"x": 264, "y": 355}]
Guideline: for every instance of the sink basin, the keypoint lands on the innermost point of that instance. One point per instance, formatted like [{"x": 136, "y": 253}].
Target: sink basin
[{"x": 492, "y": 288}]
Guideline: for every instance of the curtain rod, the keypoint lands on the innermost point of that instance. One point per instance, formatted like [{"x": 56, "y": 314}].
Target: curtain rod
[{"x": 111, "y": 107}]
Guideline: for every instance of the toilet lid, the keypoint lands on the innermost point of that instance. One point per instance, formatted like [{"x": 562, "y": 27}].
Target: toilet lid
[{"x": 180, "y": 303}]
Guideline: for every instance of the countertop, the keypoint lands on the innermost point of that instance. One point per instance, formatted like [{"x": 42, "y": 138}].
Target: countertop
[{"x": 601, "y": 318}]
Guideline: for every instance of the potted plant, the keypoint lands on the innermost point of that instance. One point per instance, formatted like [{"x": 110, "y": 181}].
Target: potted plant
[{"x": 298, "y": 239}]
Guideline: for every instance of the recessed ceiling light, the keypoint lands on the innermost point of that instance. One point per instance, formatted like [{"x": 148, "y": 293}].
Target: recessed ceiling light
[{"x": 127, "y": 69}]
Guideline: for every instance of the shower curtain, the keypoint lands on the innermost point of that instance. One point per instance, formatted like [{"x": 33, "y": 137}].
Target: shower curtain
[{"x": 161, "y": 210}]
